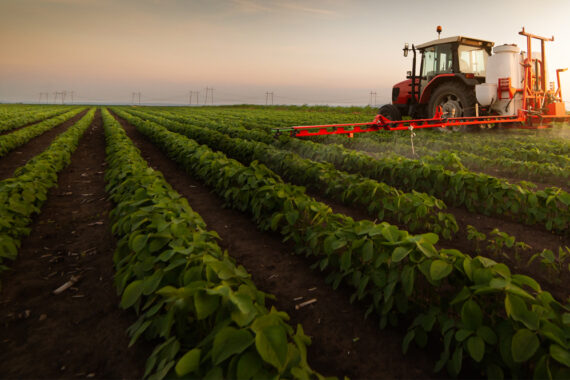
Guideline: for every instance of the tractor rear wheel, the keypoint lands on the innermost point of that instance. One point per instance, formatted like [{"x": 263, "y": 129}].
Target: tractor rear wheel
[
  {"x": 455, "y": 99},
  {"x": 390, "y": 111}
]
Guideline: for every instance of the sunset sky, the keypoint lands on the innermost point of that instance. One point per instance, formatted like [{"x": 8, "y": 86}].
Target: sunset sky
[{"x": 312, "y": 51}]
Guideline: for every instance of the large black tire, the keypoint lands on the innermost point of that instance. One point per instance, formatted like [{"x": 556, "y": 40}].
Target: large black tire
[
  {"x": 453, "y": 96},
  {"x": 390, "y": 111}
]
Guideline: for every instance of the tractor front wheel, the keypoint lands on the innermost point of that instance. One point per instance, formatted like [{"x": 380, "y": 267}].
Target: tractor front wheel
[{"x": 390, "y": 111}]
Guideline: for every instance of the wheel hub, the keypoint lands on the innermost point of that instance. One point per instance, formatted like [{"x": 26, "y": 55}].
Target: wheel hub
[{"x": 452, "y": 108}]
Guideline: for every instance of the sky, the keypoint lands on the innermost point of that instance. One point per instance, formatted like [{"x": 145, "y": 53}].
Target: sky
[{"x": 311, "y": 51}]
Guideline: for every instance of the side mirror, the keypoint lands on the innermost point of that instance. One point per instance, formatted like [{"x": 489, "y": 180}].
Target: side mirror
[{"x": 406, "y": 49}]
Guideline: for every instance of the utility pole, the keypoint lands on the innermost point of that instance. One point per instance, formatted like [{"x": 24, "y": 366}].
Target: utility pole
[
  {"x": 72, "y": 93},
  {"x": 372, "y": 94},
  {"x": 134, "y": 97},
  {"x": 55, "y": 94},
  {"x": 268, "y": 97},
  {"x": 63, "y": 94}
]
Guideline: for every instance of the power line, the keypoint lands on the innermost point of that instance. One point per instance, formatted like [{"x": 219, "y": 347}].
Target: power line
[
  {"x": 211, "y": 92},
  {"x": 135, "y": 95},
  {"x": 372, "y": 94}
]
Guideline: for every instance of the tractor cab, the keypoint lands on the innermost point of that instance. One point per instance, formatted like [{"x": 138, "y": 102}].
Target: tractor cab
[
  {"x": 455, "y": 64},
  {"x": 458, "y": 54}
]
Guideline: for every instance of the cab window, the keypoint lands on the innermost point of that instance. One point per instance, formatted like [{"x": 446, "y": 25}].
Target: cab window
[
  {"x": 472, "y": 60},
  {"x": 437, "y": 60}
]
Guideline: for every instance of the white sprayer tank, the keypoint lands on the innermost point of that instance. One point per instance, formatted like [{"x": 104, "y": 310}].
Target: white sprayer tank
[{"x": 504, "y": 63}]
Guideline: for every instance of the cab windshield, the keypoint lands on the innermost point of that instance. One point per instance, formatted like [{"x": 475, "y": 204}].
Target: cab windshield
[{"x": 472, "y": 60}]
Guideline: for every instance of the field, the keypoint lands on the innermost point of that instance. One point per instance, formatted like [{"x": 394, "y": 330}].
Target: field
[{"x": 192, "y": 241}]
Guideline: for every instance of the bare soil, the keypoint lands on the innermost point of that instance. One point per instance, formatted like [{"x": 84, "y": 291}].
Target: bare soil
[{"x": 81, "y": 332}]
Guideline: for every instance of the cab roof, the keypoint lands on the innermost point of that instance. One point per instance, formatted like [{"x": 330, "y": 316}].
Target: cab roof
[{"x": 459, "y": 39}]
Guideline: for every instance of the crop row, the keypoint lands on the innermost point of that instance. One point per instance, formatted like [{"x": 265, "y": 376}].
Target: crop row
[
  {"x": 418, "y": 211},
  {"x": 477, "y": 192},
  {"x": 8, "y": 111},
  {"x": 498, "y": 320},
  {"x": 492, "y": 148},
  {"x": 261, "y": 119},
  {"x": 453, "y": 159},
  {"x": 29, "y": 117},
  {"x": 542, "y": 140},
  {"x": 23, "y": 195},
  {"x": 17, "y": 138},
  {"x": 208, "y": 318}
]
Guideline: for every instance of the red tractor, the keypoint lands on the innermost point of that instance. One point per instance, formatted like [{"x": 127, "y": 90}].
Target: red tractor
[
  {"x": 465, "y": 82},
  {"x": 449, "y": 70}
]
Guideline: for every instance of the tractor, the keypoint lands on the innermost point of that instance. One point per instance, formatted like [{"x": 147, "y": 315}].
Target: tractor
[
  {"x": 450, "y": 68},
  {"x": 465, "y": 82}
]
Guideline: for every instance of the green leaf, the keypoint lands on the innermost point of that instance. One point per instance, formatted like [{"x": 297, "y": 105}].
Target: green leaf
[
  {"x": 407, "y": 340},
  {"x": 271, "y": 344},
  {"x": 151, "y": 283},
  {"x": 516, "y": 309},
  {"x": 188, "y": 363},
  {"x": 487, "y": 334},
  {"x": 292, "y": 216},
  {"x": 408, "y": 277},
  {"x": 367, "y": 251},
  {"x": 524, "y": 345},
  {"x": 400, "y": 253},
  {"x": 205, "y": 304},
  {"x": 462, "y": 334},
  {"x": 471, "y": 315},
  {"x": 9, "y": 249},
  {"x": 495, "y": 372},
  {"x": 230, "y": 341},
  {"x": 139, "y": 242},
  {"x": 476, "y": 348},
  {"x": 346, "y": 261},
  {"x": 132, "y": 293},
  {"x": 439, "y": 269},
  {"x": 456, "y": 361},
  {"x": 560, "y": 354},
  {"x": 248, "y": 365}
]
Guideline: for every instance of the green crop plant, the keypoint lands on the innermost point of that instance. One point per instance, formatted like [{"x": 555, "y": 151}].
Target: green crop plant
[
  {"x": 17, "y": 138},
  {"x": 203, "y": 312},
  {"x": 418, "y": 211},
  {"x": 478, "y": 237},
  {"x": 555, "y": 263},
  {"x": 22, "y": 196},
  {"x": 502, "y": 323}
]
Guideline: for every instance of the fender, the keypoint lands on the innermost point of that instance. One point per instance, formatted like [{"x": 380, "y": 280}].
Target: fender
[{"x": 426, "y": 92}]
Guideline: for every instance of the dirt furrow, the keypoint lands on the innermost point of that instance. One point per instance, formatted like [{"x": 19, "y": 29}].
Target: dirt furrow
[
  {"x": 80, "y": 332},
  {"x": 35, "y": 146},
  {"x": 344, "y": 343}
]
